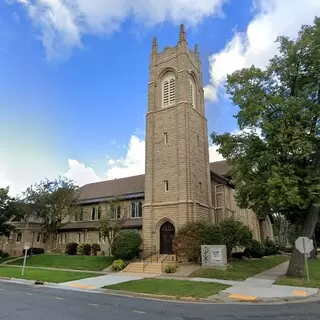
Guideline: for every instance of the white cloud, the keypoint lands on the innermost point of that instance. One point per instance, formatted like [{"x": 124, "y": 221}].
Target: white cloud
[
  {"x": 132, "y": 164},
  {"x": 16, "y": 17},
  {"x": 62, "y": 23},
  {"x": 214, "y": 155},
  {"x": 81, "y": 174},
  {"x": 257, "y": 44}
]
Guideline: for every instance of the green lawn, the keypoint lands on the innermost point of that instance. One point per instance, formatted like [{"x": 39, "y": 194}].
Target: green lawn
[
  {"x": 92, "y": 263},
  {"x": 44, "y": 275},
  {"x": 314, "y": 271},
  {"x": 241, "y": 270},
  {"x": 176, "y": 288}
]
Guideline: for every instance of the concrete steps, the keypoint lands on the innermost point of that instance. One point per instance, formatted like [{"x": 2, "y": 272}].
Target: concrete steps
[{"x": 151, "y": 265}]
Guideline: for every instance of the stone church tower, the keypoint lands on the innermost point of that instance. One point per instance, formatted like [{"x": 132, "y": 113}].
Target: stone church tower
[{"x": 177, "y": 176}]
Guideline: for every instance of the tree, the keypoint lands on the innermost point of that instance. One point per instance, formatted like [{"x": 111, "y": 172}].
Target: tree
[
  {"x": 7, "y": 211},
  {"x": 234, "y": 233},
  {"x": 51, "y": 202},
  {"x": 275, "y": 159},
  {"x": 112, "y": 222}
]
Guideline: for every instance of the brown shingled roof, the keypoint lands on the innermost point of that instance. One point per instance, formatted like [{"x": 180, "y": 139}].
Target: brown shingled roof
[
  {"x": 220, "y": 167},
  {"x": 131, "y": 185},
  {"x": 112, "y": 188}
]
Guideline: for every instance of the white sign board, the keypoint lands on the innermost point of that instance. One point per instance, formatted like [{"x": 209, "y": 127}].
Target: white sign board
[
  {"x": 304, "y": 245},
  {"x": 216, "y": 255},
  {"x": 27, "y": 246}
]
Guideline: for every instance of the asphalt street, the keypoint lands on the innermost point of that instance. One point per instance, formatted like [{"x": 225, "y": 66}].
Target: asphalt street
[{"x": 39, "y": 303}]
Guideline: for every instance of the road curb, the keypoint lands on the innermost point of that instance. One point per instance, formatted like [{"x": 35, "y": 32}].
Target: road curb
[{"x": 217, "y": 299}]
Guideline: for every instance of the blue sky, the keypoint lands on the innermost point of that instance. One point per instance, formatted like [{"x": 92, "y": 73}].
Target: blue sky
[{"x": 73, "y": 81}]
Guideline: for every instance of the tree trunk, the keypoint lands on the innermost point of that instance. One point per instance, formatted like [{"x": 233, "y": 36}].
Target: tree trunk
[{"x": 296, "y": 265}]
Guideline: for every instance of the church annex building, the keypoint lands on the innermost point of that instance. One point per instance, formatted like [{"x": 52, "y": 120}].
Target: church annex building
[{"x": 179, "y": 184}]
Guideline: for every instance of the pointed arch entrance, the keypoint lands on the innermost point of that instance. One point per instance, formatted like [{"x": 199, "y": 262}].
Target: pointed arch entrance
[{"x": 167, "y": 232}]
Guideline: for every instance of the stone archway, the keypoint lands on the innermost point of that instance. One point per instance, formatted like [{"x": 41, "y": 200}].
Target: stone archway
[{"x": 167, "y": 232}]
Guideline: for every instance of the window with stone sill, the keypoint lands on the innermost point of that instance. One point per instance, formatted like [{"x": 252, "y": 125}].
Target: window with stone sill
[
  {"x": 136, "y": 209},
  {"x": 116, "y": 212},
  {"x": 38, "y": 237}
]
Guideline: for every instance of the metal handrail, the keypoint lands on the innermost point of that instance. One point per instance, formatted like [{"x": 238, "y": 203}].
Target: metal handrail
[{"x": 165, "y": 260}]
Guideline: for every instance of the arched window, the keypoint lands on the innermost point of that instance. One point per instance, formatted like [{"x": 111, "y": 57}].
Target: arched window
[
  {"x": 192, "y": 93},
  {"x": 168, "y": 89}
]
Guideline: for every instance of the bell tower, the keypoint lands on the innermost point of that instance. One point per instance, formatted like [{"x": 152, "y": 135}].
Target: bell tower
[{"x": 177, "y": 175}]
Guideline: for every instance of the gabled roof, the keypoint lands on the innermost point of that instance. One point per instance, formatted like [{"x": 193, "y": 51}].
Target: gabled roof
[
  {"x": 220, "y": 167},
  {"x": 130, "y": 187},
  {"x": 112, "y": 188}
]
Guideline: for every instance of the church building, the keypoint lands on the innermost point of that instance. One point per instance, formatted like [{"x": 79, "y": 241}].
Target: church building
[{"x": 179, "y": 184}]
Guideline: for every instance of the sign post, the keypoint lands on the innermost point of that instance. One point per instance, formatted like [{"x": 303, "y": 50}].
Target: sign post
[
  {"x": 26, "y": 248},
  {"x": 305, "y": 246}
]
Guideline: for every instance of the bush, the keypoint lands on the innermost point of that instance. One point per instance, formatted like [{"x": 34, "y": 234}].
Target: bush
[
  {"x": 170, "y": 269},
  {"x": 234, "y": 233},
  {"x": 80, "y": 249},
  {"x": 71, "y": 248},
  {"x": 118, "y": 265},
  {"x": 270, "y": 247},
  {"x": 95, "y": 248},
  {"x": 239, "y": 255},
  {"x": 87, "y": 249},
  {"x": 256, "y": 249},
  {"x": 187, "y": 241},
  {"x": 4, "y": 255},
  {"x": 126, "y": 244},
  {"x": 33, "y": 251}
]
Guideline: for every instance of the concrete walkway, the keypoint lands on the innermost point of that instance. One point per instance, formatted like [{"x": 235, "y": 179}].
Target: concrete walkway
[
  {"x": 106, "y": 280},
  {"x": 261, "y": 287}
]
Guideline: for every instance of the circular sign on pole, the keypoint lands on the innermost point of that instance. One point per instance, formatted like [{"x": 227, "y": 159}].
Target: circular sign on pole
[{"x": 304, "y": 245}]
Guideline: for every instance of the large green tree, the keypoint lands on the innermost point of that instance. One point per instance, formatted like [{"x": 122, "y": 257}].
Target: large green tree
[
  {"x": 275, "y": 157},
  {"x": 52, "y": 201}
]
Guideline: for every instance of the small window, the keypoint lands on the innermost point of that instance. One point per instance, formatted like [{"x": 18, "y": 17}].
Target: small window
[
  {"x": 117, "y": 212},
  {"x": 166, "y": 185},
  {"x": 198, "y": 140},
  {"x": 200, "y": 186},
  {"x": 99, "y": 213},
  {"x": 64, "y": 238},
  {"x": 38, "y": 237},
  {"x": 81, "y": 214},
  {"x": 93, "y": 214},
  {"x": 19, "y": 236},
  {"x": 165, "y": 138}
]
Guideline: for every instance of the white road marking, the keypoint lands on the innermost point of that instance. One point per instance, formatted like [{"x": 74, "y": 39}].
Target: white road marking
[
  {"x": 93, "y": 304},
  {"x": 58, "y": 298},
  {"x": 138, "y": 311},
  {"x": 29, "y": 293}
]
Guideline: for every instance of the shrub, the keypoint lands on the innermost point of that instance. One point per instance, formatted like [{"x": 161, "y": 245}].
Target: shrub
[
  {"x": 118, "y": 265},
  {"x": 95, "y": 248},
  {"x": 239, "y": 255},
  {"x": 256, "y": 249},
  {"x": 4, "y": 255},
  {"x": 270, "y": 247},
  {"x": 71, "y": 248},
  {"x": 170, "y": 269},
  {"x": 187, "y": 241},
  {"x": 126, "y": 244},
  {"x": 33, "y": 251},
  {"x": 234, "y": 233},
  {"x": 86, "y": 249},
  {"x": 80, "y": 249}
]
